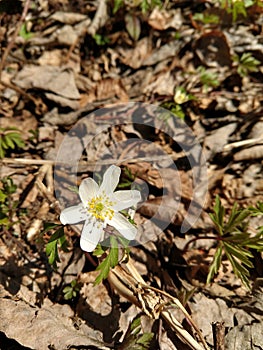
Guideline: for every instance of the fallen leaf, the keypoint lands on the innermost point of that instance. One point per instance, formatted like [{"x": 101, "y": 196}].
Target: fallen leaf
[{"x": 52, "y": 325}]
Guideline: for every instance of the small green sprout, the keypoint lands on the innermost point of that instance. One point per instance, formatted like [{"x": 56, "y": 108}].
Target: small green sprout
[
  {"x": 7, "y": 204},
  {"x": 117, "y": 5},
  {"x": 207, "y": 79},
  {"x": 72, "y": 290},
  {"x": 238, "y": 7},
  {"x": 57, "y": 239},
  {"x": 110, "y": 259},
  {"x": 206, "y": 18},
  {"x": 101, "y": 40},
  {"x": 10, "y": 138},
  {"x": 147, "y": 5},
  {"x": 246, "y": 64},
  {"x": 24, "y": 33},
  {"x": 134, "y": 339}
]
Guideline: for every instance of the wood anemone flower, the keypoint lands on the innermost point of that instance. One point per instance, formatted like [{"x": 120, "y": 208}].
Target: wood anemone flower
[{"x": 100, "y": 206}]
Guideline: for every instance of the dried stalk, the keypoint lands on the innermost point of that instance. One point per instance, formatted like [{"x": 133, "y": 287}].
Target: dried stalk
[
  {"x": 156, "y": 303},
  {"x": 89, "y": 165}
]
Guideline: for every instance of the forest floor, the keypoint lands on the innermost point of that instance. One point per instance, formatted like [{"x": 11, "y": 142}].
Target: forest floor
[{"x": 172, "y": 92}]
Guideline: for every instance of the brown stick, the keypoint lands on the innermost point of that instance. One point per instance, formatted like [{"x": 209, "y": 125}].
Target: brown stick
[{"x": 219, "y": 335}]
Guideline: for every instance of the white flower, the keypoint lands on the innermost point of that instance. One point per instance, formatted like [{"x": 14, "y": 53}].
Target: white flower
[{"x": 100, "y": 206}]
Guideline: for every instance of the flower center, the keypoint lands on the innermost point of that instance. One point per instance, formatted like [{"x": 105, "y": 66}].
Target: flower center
[{"x": 100, "y": 207}]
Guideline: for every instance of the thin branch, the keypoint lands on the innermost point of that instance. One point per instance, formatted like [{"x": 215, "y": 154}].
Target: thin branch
[{"x": 89, "y": 165}]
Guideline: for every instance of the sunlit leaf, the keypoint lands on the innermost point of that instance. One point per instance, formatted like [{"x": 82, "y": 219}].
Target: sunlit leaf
[{"x": 109, "y": 262}]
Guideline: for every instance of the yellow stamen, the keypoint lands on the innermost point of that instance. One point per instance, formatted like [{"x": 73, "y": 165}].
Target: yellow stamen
[{"x": 100, "y": 207}]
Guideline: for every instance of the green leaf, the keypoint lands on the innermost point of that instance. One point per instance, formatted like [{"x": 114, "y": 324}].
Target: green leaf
[
  {"x": 9, "y": 142},
  {"x": 218, "y": 215},
  {"x": 4, "y": 143},
  {"x": 2, "y": 152},
  {"x": 145, "y": 340},
  {"x": 133, "y": 340},
  {"x": 117, "y": 5},
  {"x": 239, "y": 253},
  {"x": 236, "y": 218},
  {"x": 71, "y": 290},
  {"x": 10, "y": 137},
  {"x": 239, "y": 270},
  {"x": 258, "y": 210},
  {"x": 216, "y": 263},
  {"x": 109, "y": 262},
  {"x": 99, "y": 251},
  {"x": 48, "y": 226},
  {"x": 136, "y": 323},
  {"x": 4, "y": 221},
  {"x": 52, "y": 253},
  {"x": 52, "y": 246},
  {"x": 3, "y": 196},
  {"x": 24, "y": 33}
]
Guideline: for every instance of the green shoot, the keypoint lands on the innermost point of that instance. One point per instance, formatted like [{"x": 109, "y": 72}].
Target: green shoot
[
  {"x": 101, "y": 40},
  {"x": 127, "y": 179},
  {"x": 10, "y": 138},
  {"x": 7, "y": 204},
  {"x": 134, "y": 339},
  {"x": 237, "y": 7},
  {"x": 57, "y": 239},
  {"x": 117, "y": 5},
  {"x": 234, "y": 240},
  {"x": 112, "y": 257},
  {"x": 147, "y": 5},
  {"x": 72, "y": 290},
  {"x": 110, "y": 261},
  {"x": 207, "y": 79},
  {"x": 206, "y": 18},
  {"x": 24, "y": 32},
  {"x": 246, "y": 64}
]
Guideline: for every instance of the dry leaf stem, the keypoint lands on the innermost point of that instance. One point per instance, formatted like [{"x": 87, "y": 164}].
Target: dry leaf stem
[{"x": 127, "y": 281}]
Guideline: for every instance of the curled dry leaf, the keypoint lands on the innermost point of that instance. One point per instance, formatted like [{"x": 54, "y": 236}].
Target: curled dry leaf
[{"x": 162, "y": 20}]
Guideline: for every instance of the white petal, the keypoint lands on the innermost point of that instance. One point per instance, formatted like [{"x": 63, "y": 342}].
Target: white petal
[
  {"x": 73, "y": 215},
  {"x": 125, "y": 199},
  {"x": 88, "y": 189},
  {"x": 123, "y": 226},
  {"x": 111, "y": 179},
  {"x": 90, "y": 236}
]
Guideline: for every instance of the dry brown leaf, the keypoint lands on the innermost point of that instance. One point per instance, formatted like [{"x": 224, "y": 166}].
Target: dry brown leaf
[
  {"x": 110, "y": 88},
  {"x": 68, "y": 17},
  {"x": 162, "y": 19},
  {"x": 52, "y": 325},
  {"x": 48, "y": 78},
  {"x": 135, "y": 58}
]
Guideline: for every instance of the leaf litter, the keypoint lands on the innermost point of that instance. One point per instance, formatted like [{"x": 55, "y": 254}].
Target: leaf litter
[{"x": 77, "y": 59}]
